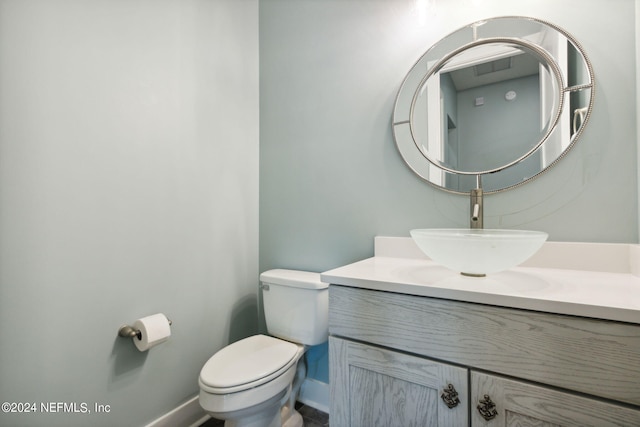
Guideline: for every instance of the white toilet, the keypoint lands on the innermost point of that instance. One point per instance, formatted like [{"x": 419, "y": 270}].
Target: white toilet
[{"x": 254, "y": 382}]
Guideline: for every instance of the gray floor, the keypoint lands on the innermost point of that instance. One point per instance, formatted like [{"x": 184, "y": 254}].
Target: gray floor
[{"x": 310, "y": 416}]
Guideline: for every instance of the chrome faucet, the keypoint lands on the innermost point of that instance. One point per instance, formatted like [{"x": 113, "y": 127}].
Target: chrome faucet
[{"x": 477, "y": 214}]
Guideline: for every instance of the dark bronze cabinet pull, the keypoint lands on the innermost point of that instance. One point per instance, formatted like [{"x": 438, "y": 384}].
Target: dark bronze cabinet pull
[
  {"x": 450, "y": 396},
  {"x": 487, "y": 408}
]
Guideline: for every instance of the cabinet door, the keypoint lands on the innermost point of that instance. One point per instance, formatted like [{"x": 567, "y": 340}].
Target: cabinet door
[
  {"x": 520, "y": 404},
  {"x": 371, "y": 386}
]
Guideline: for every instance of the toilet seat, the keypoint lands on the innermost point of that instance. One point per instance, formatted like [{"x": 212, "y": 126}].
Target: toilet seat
[{"x": 248, "y": 363}]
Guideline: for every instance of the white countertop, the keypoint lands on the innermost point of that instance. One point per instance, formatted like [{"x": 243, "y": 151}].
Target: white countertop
[{"x": 596, "y": 294}]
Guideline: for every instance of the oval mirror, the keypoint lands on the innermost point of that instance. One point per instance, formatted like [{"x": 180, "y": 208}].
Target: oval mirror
[{"x": 501, "y": 99}]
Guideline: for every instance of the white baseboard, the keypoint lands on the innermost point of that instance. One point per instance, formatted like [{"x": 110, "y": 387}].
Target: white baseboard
[
  {"x": 315, "y": 393},
  {"x": 189, "y": 414}
]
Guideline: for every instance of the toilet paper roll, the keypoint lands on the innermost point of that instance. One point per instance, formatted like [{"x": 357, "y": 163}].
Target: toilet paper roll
[{"x": 154, "y": 330}]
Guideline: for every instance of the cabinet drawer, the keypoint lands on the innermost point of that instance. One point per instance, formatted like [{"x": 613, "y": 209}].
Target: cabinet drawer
[
  {"x": 521, "y": 404},
  {"x": 597, "y": 357}
]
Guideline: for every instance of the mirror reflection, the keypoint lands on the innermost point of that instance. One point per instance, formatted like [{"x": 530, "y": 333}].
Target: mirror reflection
[
  {"x": 469, "y": 94},
  {"x": 505, "y": 106}
]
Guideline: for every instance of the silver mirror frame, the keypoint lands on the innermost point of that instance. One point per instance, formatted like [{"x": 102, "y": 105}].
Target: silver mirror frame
[{"x": 561, "y": 91}]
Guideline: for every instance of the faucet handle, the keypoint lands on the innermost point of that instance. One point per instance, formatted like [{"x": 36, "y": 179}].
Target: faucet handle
[{"x": 477, "y": 211}]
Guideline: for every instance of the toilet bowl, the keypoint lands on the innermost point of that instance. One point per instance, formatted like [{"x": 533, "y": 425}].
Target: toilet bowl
[
  {"x": 254, "y": 382},
  {"x": 246, "y": 378}
]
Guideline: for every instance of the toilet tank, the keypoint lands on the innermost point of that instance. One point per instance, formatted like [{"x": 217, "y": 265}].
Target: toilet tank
[{"x": 296, "y": 305}]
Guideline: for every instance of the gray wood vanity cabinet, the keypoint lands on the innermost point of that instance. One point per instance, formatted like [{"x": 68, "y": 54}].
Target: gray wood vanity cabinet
[{"x": 393, "y": 357}]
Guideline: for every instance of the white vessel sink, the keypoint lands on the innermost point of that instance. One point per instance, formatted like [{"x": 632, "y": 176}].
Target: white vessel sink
[{"x": 477, "y": 252}]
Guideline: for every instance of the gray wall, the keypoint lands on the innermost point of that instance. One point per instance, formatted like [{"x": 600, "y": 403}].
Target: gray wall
[
  {"x": 128, "y": 186},
  {"x": 637, "y": 92},
  {"x": 330, "y": 175}
]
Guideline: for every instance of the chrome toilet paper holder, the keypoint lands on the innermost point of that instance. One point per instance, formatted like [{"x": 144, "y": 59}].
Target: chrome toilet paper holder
[{"x": 127, "y": 331}]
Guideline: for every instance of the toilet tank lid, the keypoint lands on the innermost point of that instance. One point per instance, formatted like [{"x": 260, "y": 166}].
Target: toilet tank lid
[{"x": 293, "y": 278}]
